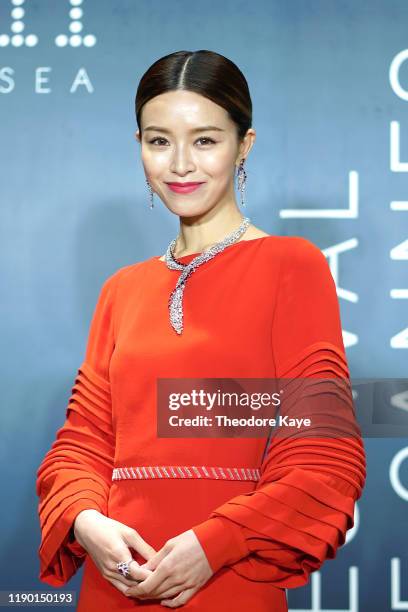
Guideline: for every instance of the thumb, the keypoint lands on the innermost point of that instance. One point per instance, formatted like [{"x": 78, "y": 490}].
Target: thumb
[
  {"x": 155, "y": 559},
  {"x": 135, "y": 540}
]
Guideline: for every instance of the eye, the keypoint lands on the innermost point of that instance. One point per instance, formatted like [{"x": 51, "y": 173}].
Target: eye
[
  {"x": 153, "y": 140},
  {"x": 209, "y": 140},
  {"x": 203, "y": 138}
]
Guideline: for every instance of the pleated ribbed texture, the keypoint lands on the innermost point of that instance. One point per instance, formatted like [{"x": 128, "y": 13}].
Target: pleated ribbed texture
[
  {"x": 76, "y": 472},
  {"x": 303, "y": 505}
]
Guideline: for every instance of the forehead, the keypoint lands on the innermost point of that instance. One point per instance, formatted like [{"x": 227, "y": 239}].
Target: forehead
[{"x": 184, "y": 109}]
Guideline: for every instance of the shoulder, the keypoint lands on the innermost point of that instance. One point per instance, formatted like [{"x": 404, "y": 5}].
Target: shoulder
[
  {"x": 291, "y": 246},
  {"x": 113, "y": 280},
  {"x": 299, "y": 251},
  {"x": 299, "y": 259},
  {"x": 306, "y": 267}
]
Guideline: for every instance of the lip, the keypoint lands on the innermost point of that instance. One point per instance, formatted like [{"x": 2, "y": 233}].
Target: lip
[{"x": 183, "y": 187}]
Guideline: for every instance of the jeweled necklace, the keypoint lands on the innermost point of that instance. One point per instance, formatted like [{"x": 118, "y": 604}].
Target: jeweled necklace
[{"x": 175, "y": 302}]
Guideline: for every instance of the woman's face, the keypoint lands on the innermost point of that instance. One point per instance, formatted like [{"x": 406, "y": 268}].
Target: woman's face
[{"x": 187, "y": 138}]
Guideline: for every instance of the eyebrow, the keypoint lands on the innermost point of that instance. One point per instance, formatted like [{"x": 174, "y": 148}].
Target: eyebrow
[{"x": 204, "y": 128}]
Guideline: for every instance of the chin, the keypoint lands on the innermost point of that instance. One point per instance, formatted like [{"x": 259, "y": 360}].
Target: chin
[{"x": 188, "y": 211}]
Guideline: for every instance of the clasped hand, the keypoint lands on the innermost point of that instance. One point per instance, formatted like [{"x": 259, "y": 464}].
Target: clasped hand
[{"x": 179, "y": 568}]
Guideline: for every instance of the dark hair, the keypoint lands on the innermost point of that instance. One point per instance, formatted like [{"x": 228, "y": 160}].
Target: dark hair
[{"x": 205, "y": 72}]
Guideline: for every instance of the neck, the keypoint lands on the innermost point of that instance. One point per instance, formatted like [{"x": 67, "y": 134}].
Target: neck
[{"x": 196, "y": 236}]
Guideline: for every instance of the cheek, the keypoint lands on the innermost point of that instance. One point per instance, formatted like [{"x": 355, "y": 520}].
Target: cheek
[
  {"x": 217, "y": 164},
  {"x": 154, "y": 162}
]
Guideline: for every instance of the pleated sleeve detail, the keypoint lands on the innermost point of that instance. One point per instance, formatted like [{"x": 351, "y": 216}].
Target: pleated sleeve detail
[
  {"x": 76, "y": 472},
  {"x": 303, "y": 505}
]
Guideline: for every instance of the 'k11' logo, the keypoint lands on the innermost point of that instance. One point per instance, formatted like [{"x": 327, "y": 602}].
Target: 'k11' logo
[{"x": 75, "y": 38}]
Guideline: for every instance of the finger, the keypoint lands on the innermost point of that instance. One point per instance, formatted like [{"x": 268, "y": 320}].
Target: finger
[
  {"x": 147, "y": 587},
  {"x": 169, "y": 592},
  {"x": 180, "y": 600},
  {"x": 169, "y": 584},
  {"x": 155, "y": 559},
  {"x": 152, "y": 582},
  {"x": 173, "y": 603},
  {"x": 135, "y": 540},
  {"x": 118, "y": 584},
  {"x": 167, "y": 589},
  {"x": 135, "y": 575}
]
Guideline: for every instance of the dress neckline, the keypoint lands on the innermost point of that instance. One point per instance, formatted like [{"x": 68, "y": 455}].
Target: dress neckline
[{"x": 229, "y": 247}]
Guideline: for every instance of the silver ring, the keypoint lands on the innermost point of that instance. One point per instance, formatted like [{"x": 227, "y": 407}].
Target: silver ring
[{"x": 123, "y": 567}]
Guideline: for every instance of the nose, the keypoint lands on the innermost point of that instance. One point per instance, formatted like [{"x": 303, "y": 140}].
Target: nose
[{"x": 182, "y": 161}]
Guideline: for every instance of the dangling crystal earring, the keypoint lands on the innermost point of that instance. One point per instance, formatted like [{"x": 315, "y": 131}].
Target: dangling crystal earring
[
  {"x": 151, "y": 194},
  {"x": 242, "y": 177}
]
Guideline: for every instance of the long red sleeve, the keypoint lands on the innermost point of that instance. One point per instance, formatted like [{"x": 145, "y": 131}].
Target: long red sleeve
[
  {"x": 303, "y": 505},
  {"x": 76, "y": 472}
]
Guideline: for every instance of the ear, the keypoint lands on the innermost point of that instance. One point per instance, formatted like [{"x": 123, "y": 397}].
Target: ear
[
  {"x": 137, "y": 135},
  {"x": 245, "y": 145}
]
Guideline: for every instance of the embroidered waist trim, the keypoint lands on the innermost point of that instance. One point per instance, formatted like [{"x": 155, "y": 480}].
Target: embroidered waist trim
[{"x": 186, "y": 471}]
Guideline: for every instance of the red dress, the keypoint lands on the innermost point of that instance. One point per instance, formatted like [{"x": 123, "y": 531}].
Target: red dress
[{"x": 262, "y": 308}]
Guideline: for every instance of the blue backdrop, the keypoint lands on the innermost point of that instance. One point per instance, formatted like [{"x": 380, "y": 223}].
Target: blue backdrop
[{"x": 329, "y": 83}]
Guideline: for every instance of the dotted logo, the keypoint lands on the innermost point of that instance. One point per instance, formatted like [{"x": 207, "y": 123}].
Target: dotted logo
[{"x": 75, "y": 38}]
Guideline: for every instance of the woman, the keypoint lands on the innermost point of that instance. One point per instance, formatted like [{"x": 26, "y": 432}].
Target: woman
[{"x": 210, "y": 523}]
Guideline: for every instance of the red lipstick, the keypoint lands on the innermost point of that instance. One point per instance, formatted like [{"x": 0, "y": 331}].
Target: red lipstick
[{"x": 183, "y": 187}]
